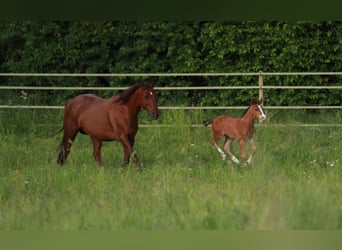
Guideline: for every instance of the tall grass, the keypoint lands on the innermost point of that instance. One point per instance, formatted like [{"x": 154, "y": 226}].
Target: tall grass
[{"x": 295, "y": 181}]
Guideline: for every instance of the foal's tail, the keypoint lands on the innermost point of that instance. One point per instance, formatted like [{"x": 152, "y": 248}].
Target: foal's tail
[{"x": 208, "y": 122}]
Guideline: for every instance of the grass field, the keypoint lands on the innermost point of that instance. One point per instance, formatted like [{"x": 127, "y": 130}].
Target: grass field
[{"x": 295, "y": 181}]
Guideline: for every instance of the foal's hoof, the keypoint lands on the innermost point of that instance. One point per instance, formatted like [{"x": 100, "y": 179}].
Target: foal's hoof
[{"x": 235, "y": 160}]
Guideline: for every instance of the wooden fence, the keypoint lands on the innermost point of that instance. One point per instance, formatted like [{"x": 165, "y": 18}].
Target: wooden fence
[{"x": 259, "y": 85}]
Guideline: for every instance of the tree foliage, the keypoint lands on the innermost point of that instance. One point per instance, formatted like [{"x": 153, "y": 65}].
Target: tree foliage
[{"x": 157, "y": 46}]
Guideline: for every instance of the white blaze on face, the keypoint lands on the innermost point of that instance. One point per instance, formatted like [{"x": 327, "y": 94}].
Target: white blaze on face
[{"x": 263, "y": 116}]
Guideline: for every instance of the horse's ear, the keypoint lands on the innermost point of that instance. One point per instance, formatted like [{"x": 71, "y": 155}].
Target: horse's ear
[
  {"x": 149, "y": 85},
  {"x": 260, "y": 102}
]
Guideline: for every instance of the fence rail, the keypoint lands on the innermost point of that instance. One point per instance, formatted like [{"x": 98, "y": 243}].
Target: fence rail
[
  {"x": 180, "y": 108},
  {"x": 167, "y": 88},
  {"x": 261, "y": 87},
  {"x": 169, "y": 74}
]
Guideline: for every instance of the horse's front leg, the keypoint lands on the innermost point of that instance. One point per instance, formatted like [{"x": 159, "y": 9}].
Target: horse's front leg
[
  {"x": 251, "y": 141},
  {"x": 134, "y": 156},
  {"x": 128, "y": 152},
  {"x": 135, "y": 159}
]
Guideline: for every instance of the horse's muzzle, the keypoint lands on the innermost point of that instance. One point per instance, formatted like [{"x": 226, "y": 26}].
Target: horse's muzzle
[{"x": 154, "y": 115}]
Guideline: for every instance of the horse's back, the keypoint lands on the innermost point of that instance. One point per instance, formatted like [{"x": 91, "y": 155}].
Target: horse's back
[
  {"x": 77, "y": 106},
  {"x": 83, "y": 101},
  {"x": 86, "y": 99}
]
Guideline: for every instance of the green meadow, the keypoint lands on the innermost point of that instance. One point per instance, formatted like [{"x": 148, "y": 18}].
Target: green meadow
[{"x": 294, "y": 182}]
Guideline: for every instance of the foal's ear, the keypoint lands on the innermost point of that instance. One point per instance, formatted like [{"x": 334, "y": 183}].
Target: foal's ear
[
  {"x": 260, "y": 101},
  {"x": 253, "y": 101}
]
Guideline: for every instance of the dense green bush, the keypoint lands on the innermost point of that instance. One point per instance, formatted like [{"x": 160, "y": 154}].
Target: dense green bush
[{"x": 150, "y": 47}]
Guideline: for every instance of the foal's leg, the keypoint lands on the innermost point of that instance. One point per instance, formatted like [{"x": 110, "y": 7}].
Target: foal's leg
[
  {"x": 226, "y": 147},
  {"x": 242, "y": 150},
  {"x": 251, "y": 141},
  {"x": 213, "y": 141},
  {"x": 97, "y": 144}
]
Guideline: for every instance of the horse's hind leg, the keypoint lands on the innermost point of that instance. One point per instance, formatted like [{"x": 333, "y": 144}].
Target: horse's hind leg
[{"x": 226, "y": 147}]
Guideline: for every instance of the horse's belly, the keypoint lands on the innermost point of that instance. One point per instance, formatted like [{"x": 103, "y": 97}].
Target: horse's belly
[
  {"x": 106, "y": 126},
  {"x": 98, "y": 127},
  {"x": 103, "y": 133}
]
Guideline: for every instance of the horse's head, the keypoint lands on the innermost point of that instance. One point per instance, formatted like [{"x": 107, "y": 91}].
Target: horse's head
[
  {"x": 257, "y": 110},
  {"x": 148, "y": 100}
]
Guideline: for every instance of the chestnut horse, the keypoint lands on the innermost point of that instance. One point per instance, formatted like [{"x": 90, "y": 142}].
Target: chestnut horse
[
  {"x": 238, "y": 129},
  {"x": 110, "y": 119}
]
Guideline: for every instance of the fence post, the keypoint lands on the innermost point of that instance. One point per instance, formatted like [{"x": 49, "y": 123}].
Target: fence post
[{"x": 261, "y": 89}]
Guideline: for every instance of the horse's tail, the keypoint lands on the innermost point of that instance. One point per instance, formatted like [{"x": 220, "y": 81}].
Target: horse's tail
[
  {"x": 60, "y": 149},
  {"x": 54, "y": 133},
  {"x": 208, "y": 122},
  {"x": 61, "y": 154}
]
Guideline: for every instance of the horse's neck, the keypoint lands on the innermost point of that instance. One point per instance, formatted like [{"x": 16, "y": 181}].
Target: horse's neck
[
  {"x": 134, "y": 106},
  {"x": 248, "y": 119}
]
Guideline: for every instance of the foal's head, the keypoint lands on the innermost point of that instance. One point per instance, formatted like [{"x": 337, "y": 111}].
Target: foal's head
[
  {"x": 148, "y": 99},
  {"x": 257, "y": 110}
]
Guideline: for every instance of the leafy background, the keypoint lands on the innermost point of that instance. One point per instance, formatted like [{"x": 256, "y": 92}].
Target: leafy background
[{"x": 174, "y": 46}]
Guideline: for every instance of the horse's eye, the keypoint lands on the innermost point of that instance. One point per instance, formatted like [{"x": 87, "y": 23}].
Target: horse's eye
[{"x": 148, "y": 94}]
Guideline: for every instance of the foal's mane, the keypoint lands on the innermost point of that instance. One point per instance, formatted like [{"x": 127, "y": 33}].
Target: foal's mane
[
  {"x": 245, "y": 111},
  {"x": 125, "y": 95},
  {"x": 252, "y": 103}
]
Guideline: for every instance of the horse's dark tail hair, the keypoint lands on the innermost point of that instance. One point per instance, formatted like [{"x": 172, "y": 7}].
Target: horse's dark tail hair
[
  {"x": 208, "y": 122},
  {"x": 54, "y": 133},
  {"x": 61, "y": 157}
]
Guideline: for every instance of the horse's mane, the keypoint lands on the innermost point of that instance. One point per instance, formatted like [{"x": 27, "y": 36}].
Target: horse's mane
[{"x": 125, "y": 95}]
